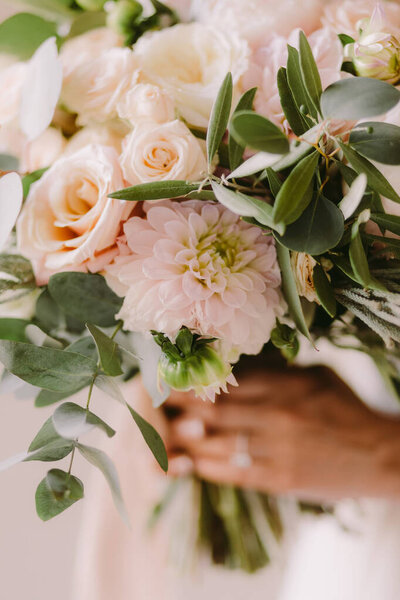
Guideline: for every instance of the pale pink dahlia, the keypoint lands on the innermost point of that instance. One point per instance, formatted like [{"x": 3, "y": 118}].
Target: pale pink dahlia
[{"x": 196, "y": 264}]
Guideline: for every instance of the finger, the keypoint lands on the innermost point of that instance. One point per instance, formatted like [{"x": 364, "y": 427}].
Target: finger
[
  {"x": 180, "y": 465},
  {"x": 261, "y": 476}
]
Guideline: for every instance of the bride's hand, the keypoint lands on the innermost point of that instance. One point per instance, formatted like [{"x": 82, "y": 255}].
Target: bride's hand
[{"x": 300, "y": 432}]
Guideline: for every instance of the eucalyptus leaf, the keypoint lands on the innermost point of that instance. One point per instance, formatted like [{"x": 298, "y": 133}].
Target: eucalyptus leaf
[
  {"x": 358, "y": 259},
  {"x": 8, "y": 162},
  {"x": 57, "y": 492},
  {"x": 296, "y": 192},
  {"x": 71, "y": 421},
  {"x": 387, "y": 222},
  {"x": 376, "y": 180},
  {"x": 13, "y": 329},
  {"x": 324, "y": 290},
  {"x": 358, "y": 98},
  {"x": 108, "y": 351},
  {"x": 85, "y": 346},
  {"x": 47, "y": 368},
  {"x": 298, "y": 150},
  {"x": 309, "y": 71},
  {"x": 46, "y": 398},
  {"x": 289, "y": 289},
  {"x": 377, "y": 141},
  {"x": 100, "y": 460},
  {"x": 46, "y": 435},
  {"x": 297, "y": 86},
  {"x": 254, "y": 164},
  {"x": 19, "y": 270},
  {"x": 274, "y": 182},
  {"x": 53, "y": 451},
  {"x": 152, "y": 439},
  {"x": 156, "y": 190},
  {"x": 319, "y": 228},
  {"x": 47, "y": 312},
  {"x": 29, "y": 179},
  {"x": 236, "y": 150},
  {"x": 23, "y": 33},
  {"x": 253, "y": 130},
  {"x": 245, "y": 206},
  {"x": 85, "y": 296},
  {"x": 289, "y": 106},
  {"x": 219, "y": 117},
  {"x": 85, "y": 21}
]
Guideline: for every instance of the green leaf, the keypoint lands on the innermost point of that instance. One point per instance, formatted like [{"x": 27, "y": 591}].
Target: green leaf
[
  {"x": 86, "y": 21},
  {"x": 285, "y": 338},
  {"x": 387, "y": 222},
  {"x": 152, "y": 439},
  {"x": 46, "y": 435},
  {"x": 245, "y": 206},
  {"x": 254, "y": 164},
  {"x": 358, "y": 98},
  {"x": 13, "y": 329},
  {"x": 45, "y": 397},
  {"x": 31, "y": 178},
  {"x": 309, "y": 71},
  {"x": 377, "y": 141},
  {"x": 324, "y": 290},
  {"x": 236, "y": 150},
  {"x": 298, "y": 150},
  {"x": 100, "y": 460},
  {"x": 85, "y": 346},
  {"x": 9, "y": 163},
  {"x": 289, "y": 106},
  {"x": 156, "y": 190},
  {"x": 48, "y": 313},
  {"x": 71, "y": 421},
  {"x": 345, "y": 39},
  {"x": 296, "y": 192},
  {"x": 250, "y": 129},
  {"x": 274, "y": 182},
  {"x": 289, "y": 289},
  {"x": 86, "y": 297},
  {"x": 358, "y": 259},
  {"x": 297, "y": 86},
  {"x": 376, "y": 180},
  {"x": 57, "y": 492},
  {"x": 319, "y": 228},
  {"x": 53, "y": 451},
  {"x": 20, "y": 271},
  {"x": 108, "y": 352},
  {"x": 219, "y": 117},
  {"x": 351, "y": 201},
  {"x": 47, "y": 368},
  {"x": 23, "y": 33}
]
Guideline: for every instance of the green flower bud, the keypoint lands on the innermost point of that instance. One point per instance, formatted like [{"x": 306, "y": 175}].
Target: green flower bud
[
  {"x": 193, "y": 364},
  {"x": 377, "y": 53},
  {"x": 91, "y": 5},
  {"x": 123, "y": 15},
  {"x": 285, "y": 338}
]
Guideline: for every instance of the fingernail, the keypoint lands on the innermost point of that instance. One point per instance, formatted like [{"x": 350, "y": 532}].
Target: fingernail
[
  {"x": 191, "y": 428},
  {"x": 180, "y": 466}
]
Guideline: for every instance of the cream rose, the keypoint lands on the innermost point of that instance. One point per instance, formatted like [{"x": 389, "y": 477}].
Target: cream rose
[
  {"x": 345, "y": 16},
  {"x": 146, "y": 101},
  {"x": 155, "y": 152},
  {"x": 94, "y": 89},
  {"x": 303, "y": 267},
  {"x": 12, "y": 79},
  {"x": 68, "y": 222},
  {"x": 87, "y": 47},
  {"x": 190, "y": 62},
  {"x": 43, "y": 151},
  {"x": 100, "y": 134},
  {"x": 259, "y": 20}
]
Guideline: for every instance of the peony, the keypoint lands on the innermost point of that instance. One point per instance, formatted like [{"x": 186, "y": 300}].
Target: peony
[
  {"x": 94, "y": 88},
  {"x": 146, "y": 101},
  {"x": 155, "y": 152},
  {"x": 267, "y": 60},
  {"x": 42, "y": 151},
  {"x": 259, "y": 20},
  {"x": 196, "y": 264},
  {"x": 68, "y": 222},
  {"x": 345, "y": 16},
  {"x": 190, "y": 62}
]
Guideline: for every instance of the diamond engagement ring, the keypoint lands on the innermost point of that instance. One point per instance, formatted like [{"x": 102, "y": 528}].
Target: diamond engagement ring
[{"x": 241, "y": 457}]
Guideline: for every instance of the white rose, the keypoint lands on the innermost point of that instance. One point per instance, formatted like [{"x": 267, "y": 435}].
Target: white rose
[
  {"x": 155, "y": 152},
  {"x": 259, "y": 20},
  {"x": 94, "y": 89},
  {"x": 190, "y": 62},
  {"x": 87, "y": 47},
  {"x": 303, "y": 267},
  {"x": 100, "y": 134},
  {"x": 146, "y": 101},
  {"x": 68, "y": 221},
  {"x": 42, "y": 151}
]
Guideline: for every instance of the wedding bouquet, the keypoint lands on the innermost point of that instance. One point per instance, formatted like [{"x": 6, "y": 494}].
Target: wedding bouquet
[{"x": 174, "y": 197}]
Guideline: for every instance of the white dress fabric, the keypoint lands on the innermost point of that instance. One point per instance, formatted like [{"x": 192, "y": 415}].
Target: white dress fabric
[{"x": 352, "y": 556}]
